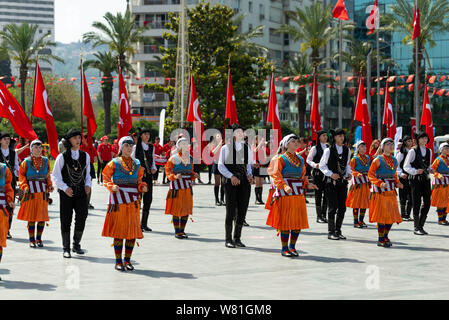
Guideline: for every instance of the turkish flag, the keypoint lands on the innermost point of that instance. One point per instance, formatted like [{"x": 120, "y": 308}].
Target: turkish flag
[
  {"x": 410, "y": 78},
  {"x": 339, "y": 11},
  {"x": 88, "y": 111},
  {"x": 195, "y": 117},
  {"x": 426, "y": 118},
  {"x": 361, "y": 114},
  {"x": 125, "y": 121},
  {"x": 413, "y": 126},
  {"x": 315, "y": 117},
  {"x": 11, "y": 110},
  {"x": 388, "y": 119},
  {"x": 373, "y": 19},
  {"x": 42, "y": 110},
  {"x": 273, "y": 110},
  {"x": 416, "y": 24},
  {"x": 231, "y": 109}
]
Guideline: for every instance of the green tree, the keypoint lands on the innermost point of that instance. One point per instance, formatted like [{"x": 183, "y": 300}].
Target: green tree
[
  {"x": 114, "y": 119},
  {"x": 24, "y": 45},
  {"x": 212, "y": 42},
  {"x": 120, "y": 33},
  {"x": 5, "y": 65}
]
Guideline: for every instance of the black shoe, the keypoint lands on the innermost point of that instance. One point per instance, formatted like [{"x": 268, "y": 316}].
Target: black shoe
[
  {"x": 423, "y": 231},
  {"x": 333, "y": 236},
  {"x": 383, "y": 244},
  {"x": 129, "y": 266},
  {"x": 239, "y": 243},
  {"x": 180, "y": 236},
  {"x": 146, "y": 229},
  {"x": 218, "y": 203},
  {"x": 443, "y": 223},
  {"x": 294, "y": 252},
  {"x": 409, "y": 218},
  {"x": 32, "y": 244},
  {"x": 90, "y": 206},
  {"x": 39, "y": 243},
  {"x": 388, "y": 242},
  {"x": 362, "y": 224},
  {"x": 419, "y": 232},
  {"x": 223, "y": 203},
  {"x": 77, "y": 249},
  {"x": 245, "y": 224},
  {"x": 9, "y": 236},
  {"x": 287, "y": 253},
  {"x": 320, "y": 220},
  {"x": 184, "y": 235},
  {"x": 324, "y": 219},
  {"x": 119, "y": 267},
  {"x": 67, "y": 254},
  {"x": 229, "y": 244},
  {"x": 341, "y": 237}
]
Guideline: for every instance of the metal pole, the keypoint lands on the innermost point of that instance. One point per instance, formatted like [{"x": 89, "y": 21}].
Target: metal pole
[
  {"x": 182, "y": 62},
  {"x": 418, "y": 123},
  {"x": 396, "y": 101},
  {"x": 368, "y": 82},
  {"x": 340, "y": 94},
  {"x": 378, "y": 86}
]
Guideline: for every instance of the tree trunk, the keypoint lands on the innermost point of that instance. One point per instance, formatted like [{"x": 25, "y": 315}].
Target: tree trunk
[
  {"x": 23, "y": 79},
  {"x": 301, "y": 100},
  {"x": 107, "y": 100}
]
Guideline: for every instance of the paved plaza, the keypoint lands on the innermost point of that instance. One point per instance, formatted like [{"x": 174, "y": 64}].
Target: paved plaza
[{"x": 202, "y": 268}]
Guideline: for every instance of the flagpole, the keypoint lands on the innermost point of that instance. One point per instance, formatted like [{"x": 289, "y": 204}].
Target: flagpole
[
  {"x": 379, "y": 125},
  {"x": 340, "y": 94},
  {"x": 418, "y": 125},
  {"x": 82, "y": 89}
]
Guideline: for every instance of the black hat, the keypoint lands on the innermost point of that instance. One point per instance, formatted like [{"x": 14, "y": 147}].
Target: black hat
[
  {"x": 420, "y": 135},
  {"x": 72, "y": 133},
  {"x": 337, "y": 132},
  {"x": 143, "y": 130},
  {"x": 319, "y": 133},
  {"x": 405, "y": 138},
  {"x": 236, "y": 126},
  {"x": 4, "y": 135}
]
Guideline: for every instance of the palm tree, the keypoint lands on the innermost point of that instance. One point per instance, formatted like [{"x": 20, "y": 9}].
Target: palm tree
[
  {"x": 23, "y": 48},
  {"x": 120, "y": 33},
  {"x": 106, "y": 63},
  {"x": 299, "y": 65}
]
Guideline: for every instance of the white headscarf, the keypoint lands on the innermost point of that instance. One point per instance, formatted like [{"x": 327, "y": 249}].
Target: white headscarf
[
  {"x": 178, "y": 143},
  {"x": 284, "y": 142},
  {"x": 384, "y": 141},
  {"x": 34, "y": 142},
  {"x": 122, "y": 141},
  {"x": 358, "y": 144},
  {"x": 442, "y": 146}
]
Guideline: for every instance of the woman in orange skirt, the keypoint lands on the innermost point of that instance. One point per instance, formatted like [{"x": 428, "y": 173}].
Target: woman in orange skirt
[
  {"x": 440, "y": 187},
  {"x": 383, "y": 206},
  {"x": 122, "y": 176},
  {"x": 179, "y": 201},
  {"x": 358, "y": 195},
  {"x": 288, "y": 212},
  {"x": 6, "y": 203},
  {"x": 272, "y": 186},
  {"x": 35, "y": 182}
]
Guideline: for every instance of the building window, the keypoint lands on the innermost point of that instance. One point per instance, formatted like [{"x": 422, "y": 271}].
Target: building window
[
  {"x": 261, "y": 12},
  {"x": 250, "y": 6},
  {"x": 250, "y": 27},
  {"x": 275, "y": 37}
]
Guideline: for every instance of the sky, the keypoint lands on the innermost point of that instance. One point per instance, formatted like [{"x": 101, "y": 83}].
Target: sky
[{"x": 74, "y": 18}]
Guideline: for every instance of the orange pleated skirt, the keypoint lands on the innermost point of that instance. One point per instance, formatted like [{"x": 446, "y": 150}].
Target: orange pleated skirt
[
  {"x": 440, "y": 196},
  {"x": 289, "y": 213},
  {"x": 180, "y": 206},
  {"x": 383, "y": 208},
  {"x": 123, "y": 223},
  {"x": 358, "y": 196},
  {"x": 34, "y": 210},
  {"x": 4, "y": 226},
  {"x": 269, "y": 198}
]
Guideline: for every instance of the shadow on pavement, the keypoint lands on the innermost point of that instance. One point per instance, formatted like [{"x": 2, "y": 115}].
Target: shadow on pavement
[
  {"x": 170, "y": 233},
  {"x": 420, "y": 248},
  {"x": 4, "y": 271},
  {"x": 21, "y": 285},
  {"x": 163, "y": 274},
  {"x": 27, "y": 240}
]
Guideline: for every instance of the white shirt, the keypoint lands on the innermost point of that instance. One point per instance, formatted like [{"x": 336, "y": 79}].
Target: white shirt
[
  {"x": 411, "y": 157},
  {"x": 312, "y": 154},
  {"x": 59, "y": 164},
  {"x": 145, "y": 148},
  {"x": 325, "y": 158},
  {"x": 5, "y": 153},
  {"x": 224, "y": 152},
  {"x": 400, "y": 157}
]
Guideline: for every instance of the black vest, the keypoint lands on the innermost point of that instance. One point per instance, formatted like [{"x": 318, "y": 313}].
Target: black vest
[
  {"x": 420, "y": 162},
  {"x": 10, "y": 163},
  {"x": 237, "y": 161},
  {"x": 337, "y": 163},
  {"x": 74, "y": 172},
  {"x": 401, "y": 164},
  {"x": 318, "y": 154},
  {"x": 142, "y": 155}
]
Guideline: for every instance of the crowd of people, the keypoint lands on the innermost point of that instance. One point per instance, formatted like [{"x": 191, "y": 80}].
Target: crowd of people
[{"x": 365, "y": 179}]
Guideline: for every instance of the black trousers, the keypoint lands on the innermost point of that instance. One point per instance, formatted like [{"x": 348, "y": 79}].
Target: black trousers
[
  {"x": 147, "y": 198},
  {"x": 156, "y": 175},
  {"x": 66, "y": 207},
  {"x": 320, "y": 194},
  {"x": 336, "y": 201},
  {"x": 237, "y": 200},
  {"x": 101, "y": 166},
  {"x": 420, "y": 189},
  {"x": 405, "y": 197}
]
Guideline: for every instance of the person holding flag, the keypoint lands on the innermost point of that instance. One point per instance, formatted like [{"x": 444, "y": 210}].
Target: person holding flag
[
  {"x": 288, "y": 212},
  {"x": 440, "y": 187},
  {"x": 383, "y": 206},
  {"x": 35, "y": 182},
  {"x": 123, "y": 177}
]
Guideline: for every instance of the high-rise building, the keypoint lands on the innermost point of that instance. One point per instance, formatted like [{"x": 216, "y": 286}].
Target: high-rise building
[{"x": 40, "y": 12}]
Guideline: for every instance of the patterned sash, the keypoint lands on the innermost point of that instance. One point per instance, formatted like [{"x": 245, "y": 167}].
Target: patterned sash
[
  {"x": 126, "y": 194},
  {"x": 390, "y": 186},
  {"x": 184, "y": 183},
  {"x": 442, "y": 182},
  {"x": 296, "y": 184},
  {"x": 360, "y": 180},
  {"x": 37, "y": 186}
]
